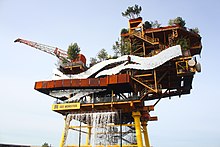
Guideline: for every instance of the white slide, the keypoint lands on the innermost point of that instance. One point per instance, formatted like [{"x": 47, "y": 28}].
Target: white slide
[{"x": 138, "y": 63}]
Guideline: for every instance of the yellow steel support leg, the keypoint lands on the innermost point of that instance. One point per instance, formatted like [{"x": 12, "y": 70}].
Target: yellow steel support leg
[
  {"x": 65, "y": 131},
  {"x": 146, "y": 138},
  {"x": 136, "y": 116},
  {"x": 62, "y": 141},
  {"x": 88, "y": 137},
  {"x": 62, "y": 138}
]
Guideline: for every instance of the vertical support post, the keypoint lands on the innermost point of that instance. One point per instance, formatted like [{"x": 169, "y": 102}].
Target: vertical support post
[
  {"x": 146, "y": 137},
  {"x": 88, "y": 137},
  {"x": 137, "y": 115},
  {"x": 144, "y": 49},
  {"x": 62, "y": 141},
  {"x": 155, "y": 80},
  {"x": 65, "y": 130},
  {"x": 112, "y": 100},
  {"x": 80, "y": 129},
  {"x": 112, "y": 94},
  {"x": 120, "y": 129}
]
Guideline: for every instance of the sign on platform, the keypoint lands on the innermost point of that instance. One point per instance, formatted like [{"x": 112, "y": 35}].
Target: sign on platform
[{"x": 67, "y": 106}]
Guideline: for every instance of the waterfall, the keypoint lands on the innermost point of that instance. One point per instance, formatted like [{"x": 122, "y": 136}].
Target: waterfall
[{"x": 103, "y": 132}]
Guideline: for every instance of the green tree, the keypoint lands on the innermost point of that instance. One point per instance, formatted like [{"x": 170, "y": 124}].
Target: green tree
[
  {"x": 147, "y": 25},
  {"x": 155, "y": 24},
  {"x": 177, "y": 21},
  {"x": 121, "y": 47},
  {"x": 124, "y": 31},
  {"x": 195, "y": 30},
  {"x": 125, "y": 46},
  {"x": 116, "y": 49},
  {"x": 180, "y": 21},
  {"x": 73, "y": 51},
  {"x": 93, "y": 61},
  {"x": 102, "y": 55},
  {"x": 132, "y": 12},
  {"x": 171, "y": 23},
  {"x": 45, "y": 145},
  {"x": 184, "y": 43}
]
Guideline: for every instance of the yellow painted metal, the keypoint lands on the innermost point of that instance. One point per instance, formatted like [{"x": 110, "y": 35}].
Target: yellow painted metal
[
  {"x": 182, "y": 66},
  {"x": 136, "y": 115},
  {"x": 124, "y": 145},
  {"x": 144, "y": 84},
  {"x": 155, "y": 80},
  {"x": 143, "y": 75},
  {"x": 64, "y": 133},
  {"x": 67, "y": 106},
  {"x": 88, "y": 137},
  {"x": 146, "y": 137},
  {"x": 62, "y": 141}
]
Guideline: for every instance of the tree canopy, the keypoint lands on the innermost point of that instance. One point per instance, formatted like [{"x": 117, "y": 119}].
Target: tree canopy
[
  {"x": 122, "y": 47},
  {"x": 177, "y": 21},
  {"x": 73, "y": 51},
  {"x": 147, "y": 25},
  {"x": 132, "y": 12},
  {"x": 102, "y": 55},
  {"x": 93, "y": 61},
  {"x": 124, "y": 31},
  {"x": 45, "y": 145}
]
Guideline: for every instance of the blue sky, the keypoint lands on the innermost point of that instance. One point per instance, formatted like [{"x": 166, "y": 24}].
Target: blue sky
[{"x": 26, "y": 116}]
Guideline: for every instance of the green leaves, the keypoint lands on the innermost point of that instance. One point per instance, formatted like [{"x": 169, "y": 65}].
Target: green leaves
[
  {"x": 73, "y": 51},
  {"x": 45, "y": 145},
  {"x": 184, "y": 43},
  {"x": 124, "y": 31},
  {"x": 177, "y": 21},
  {"x": 132, "y": 12},
  {"x": 102, "y": 55}
]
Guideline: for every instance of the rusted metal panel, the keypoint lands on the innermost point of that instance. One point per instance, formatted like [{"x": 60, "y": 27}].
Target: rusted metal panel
[
  {"x": 44, "y": 84},
  {"x": 148, "y": 108},
  {"x": 58, "y": 83},
  {"x": 123, "y": 78},
  {"x": 84, "y": 82},
  {"x": 50, "y": 84},
  {"x": 38, "y": 85},
  {"x": 94, "y": 82},
  {"x": 153, "y": 118},
  {"x": 66, "y": 82},
  {"x": 75, "y": 82},
  {"x": 103, "y": 81},
  {"x": 113, "y": 79},
  {"x": 81, "y": 58}
]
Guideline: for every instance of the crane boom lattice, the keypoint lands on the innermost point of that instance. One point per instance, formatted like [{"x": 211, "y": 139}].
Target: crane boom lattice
[{"x": 59, "y": 53}]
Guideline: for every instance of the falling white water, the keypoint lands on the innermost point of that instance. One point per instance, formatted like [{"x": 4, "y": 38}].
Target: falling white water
[{"x": 101, "y": 134}]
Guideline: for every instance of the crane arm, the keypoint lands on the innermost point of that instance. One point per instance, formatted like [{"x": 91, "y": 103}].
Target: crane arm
[{"x": 61, "y": 54}]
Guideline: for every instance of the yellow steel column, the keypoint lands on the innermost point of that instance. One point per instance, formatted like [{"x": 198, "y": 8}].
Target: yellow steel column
[
  {"x": 62, "y": 141},
  {"x": 88, "y": 137},
  {"x": 146, "y": 138},
  {"x": 65, "y": 131},
  {"x": 136, "y": 116}
]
